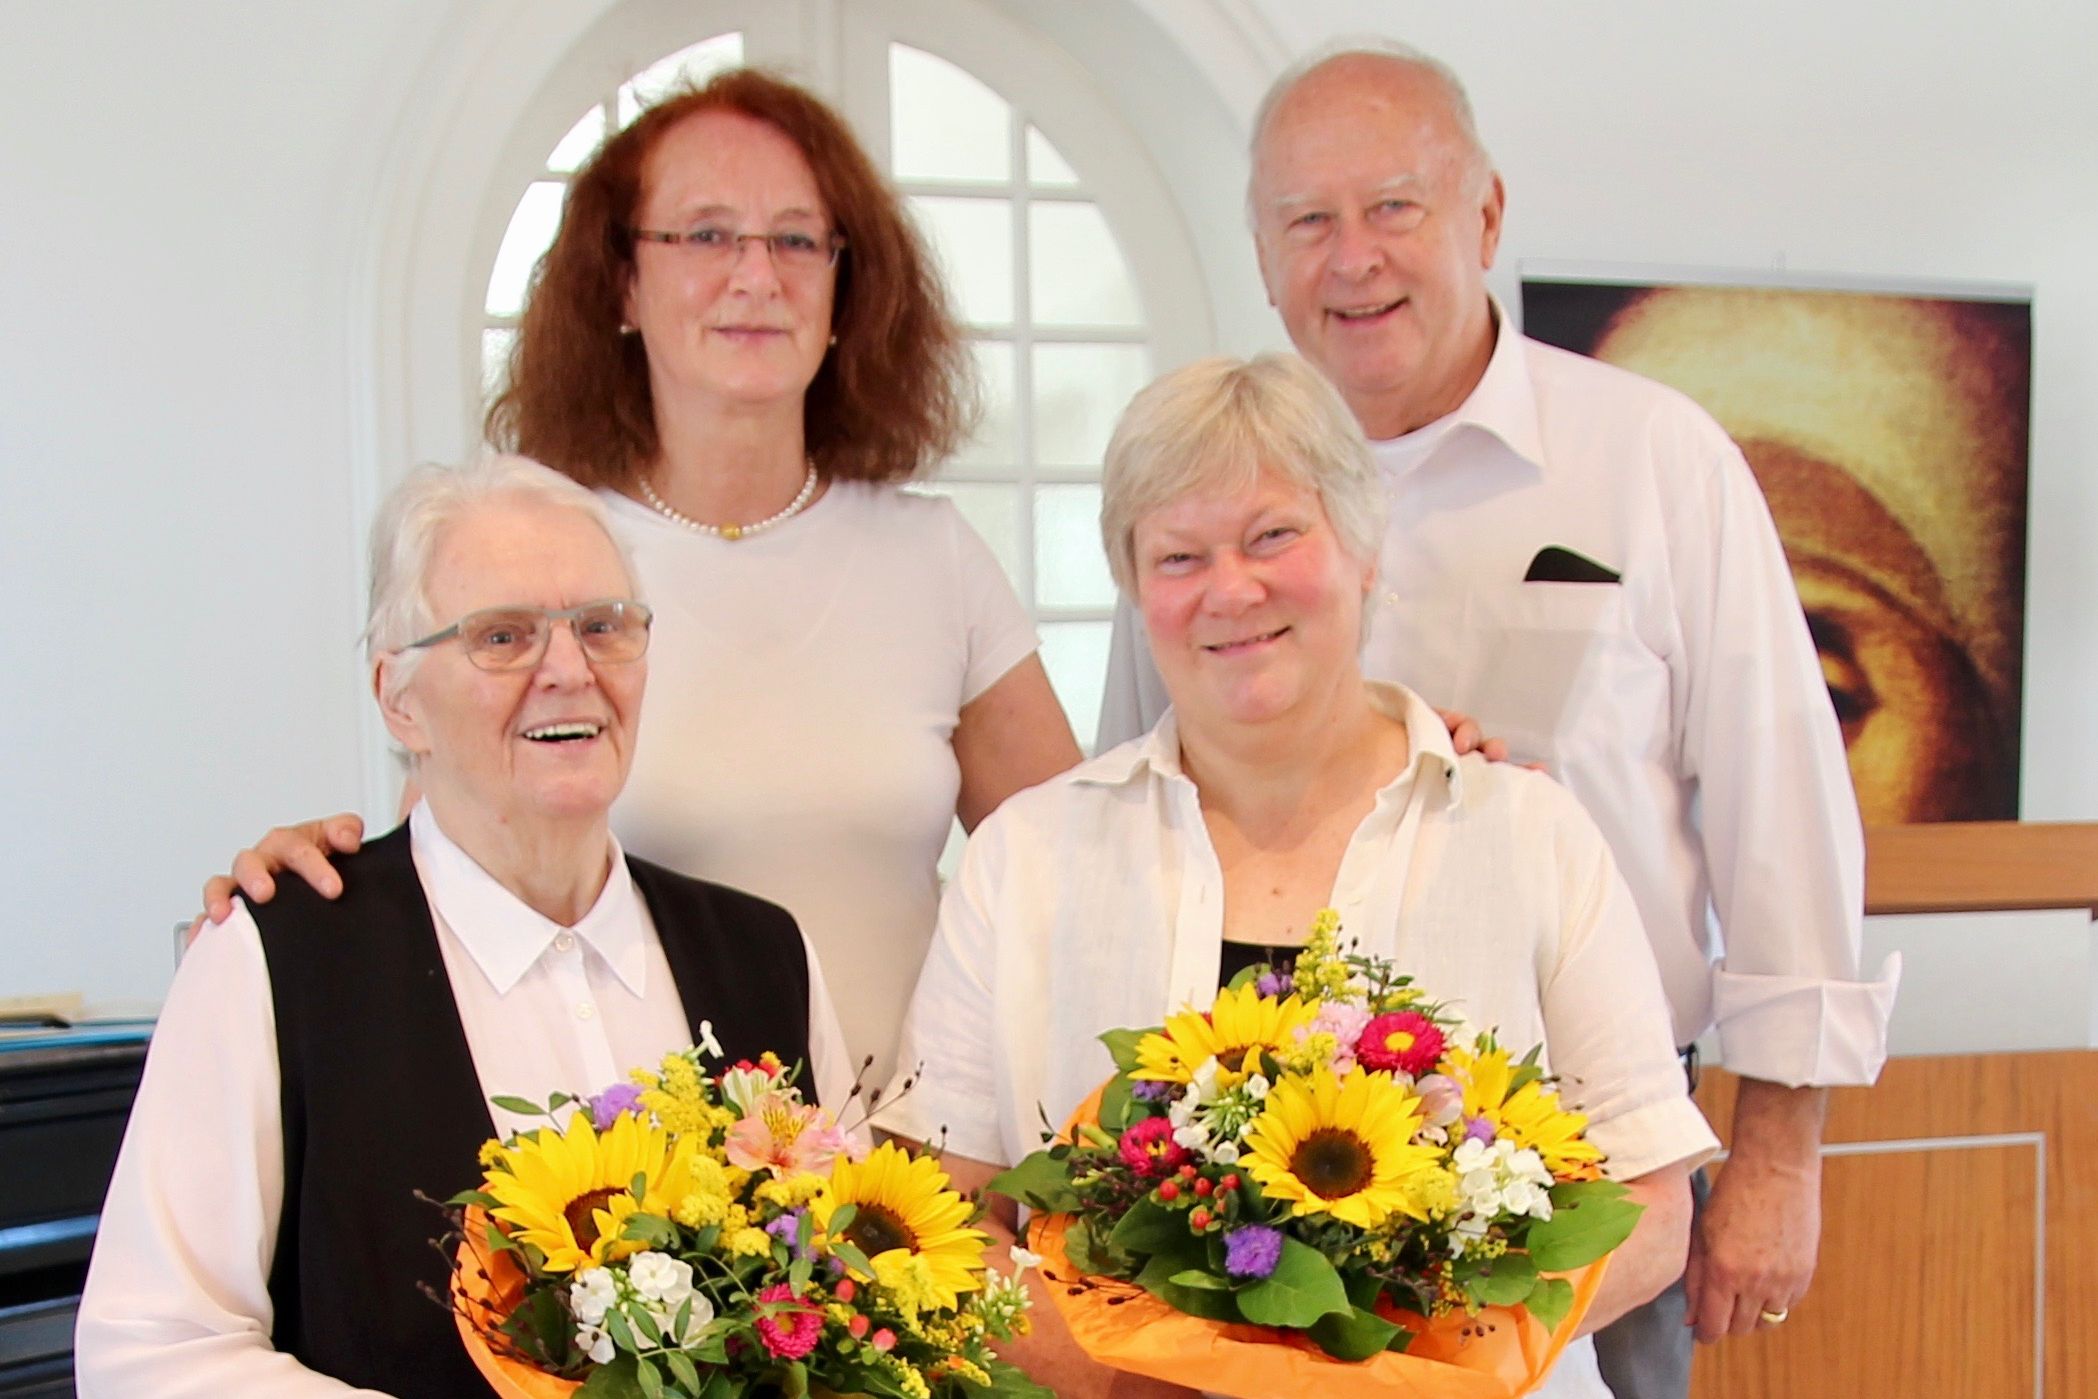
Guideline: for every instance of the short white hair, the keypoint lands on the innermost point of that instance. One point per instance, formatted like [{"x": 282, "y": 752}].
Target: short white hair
[
  {"x": 1217, "y": 424},
  {"x": 428, "y": 501},
  {"x": 1372, "y": 47}
]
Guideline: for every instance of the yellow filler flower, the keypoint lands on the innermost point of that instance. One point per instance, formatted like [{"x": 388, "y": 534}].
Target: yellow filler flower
[
  {"x": 1238, "y": 1029},
  {"x": 906, "y": 1216},
  {"x": 1343, "y": 1147}
]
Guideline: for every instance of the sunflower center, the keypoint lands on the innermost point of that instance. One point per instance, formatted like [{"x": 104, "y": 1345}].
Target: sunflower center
[
  {"x": 876, "y": 1229},
  {"x": 579, "y": 1215},
  {"x": 1332, "y": 1163}
]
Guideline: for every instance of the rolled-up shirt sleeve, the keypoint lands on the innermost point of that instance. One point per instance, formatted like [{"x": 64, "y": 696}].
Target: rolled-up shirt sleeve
[
  {"x": 1606, "y": 1019},
  {"x": 177, "y": 1302},
  {"x": 1783, "y": 845},
  {"x": 946, "y": 1089}
]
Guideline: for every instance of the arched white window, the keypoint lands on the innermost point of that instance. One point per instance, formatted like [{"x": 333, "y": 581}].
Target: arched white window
[{"x": 1063, "y": 251}]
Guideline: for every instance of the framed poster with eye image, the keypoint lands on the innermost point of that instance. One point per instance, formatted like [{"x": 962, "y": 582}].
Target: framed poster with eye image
[{"x": 1888, "y": 426}]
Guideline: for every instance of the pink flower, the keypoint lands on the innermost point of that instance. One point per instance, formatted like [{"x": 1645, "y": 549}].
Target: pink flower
[
  {"x": 1404, "y": 1040},
  {"x": 784, "y": 1136},
  {"x": 1442, "y": 1101},
  {"x": 1149, "y": 1149},
  {"x": 790, "y": 1332},
  {"x": 1343, "y": 1022},
  {"x": 883, "y": 1340}
]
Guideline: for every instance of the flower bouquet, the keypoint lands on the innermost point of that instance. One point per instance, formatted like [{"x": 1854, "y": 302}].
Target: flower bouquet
[
  {"x": 1326, "y": 1177},
  {"x": 711, "y": 1236}
]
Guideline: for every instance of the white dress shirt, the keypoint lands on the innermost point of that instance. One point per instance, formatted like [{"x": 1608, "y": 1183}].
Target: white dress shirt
[
  {"x": 1684, "y": 705},
  {"x": 177, "y": 1299}
]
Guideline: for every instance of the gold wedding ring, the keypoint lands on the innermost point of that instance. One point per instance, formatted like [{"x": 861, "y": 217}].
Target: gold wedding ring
[{"x": 1772, "y": 1318}]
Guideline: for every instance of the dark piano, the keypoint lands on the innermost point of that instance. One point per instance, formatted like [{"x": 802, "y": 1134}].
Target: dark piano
[{"x": 64, "y": 1099}]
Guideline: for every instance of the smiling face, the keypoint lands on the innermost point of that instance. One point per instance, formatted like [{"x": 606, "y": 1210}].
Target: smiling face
[
  {"x": 1252, "y": 605},
  {"x": 1376, "y": 219},
  {"x": 740, "y": 332},
  {"x": 522, "y": 747}
]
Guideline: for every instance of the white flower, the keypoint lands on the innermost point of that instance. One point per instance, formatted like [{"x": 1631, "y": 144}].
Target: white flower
[
  {"x": 1194, "y": 1136},
  {"x": 591, "y": 1294},
  {"x": 1203, "y": 1085},
  {"x": 740, "y": 1088},
  {"x": 664, "y": 1315},
  {"x": 1224, "y": 1153},
  {"x": 596, "y": 1344},
  {"x": 707, "y": 1041},
  {"x": 1025, "y": 1258},
  {"x": 1257, "y": 1087},
  {"x": 660, "y": 1278}
]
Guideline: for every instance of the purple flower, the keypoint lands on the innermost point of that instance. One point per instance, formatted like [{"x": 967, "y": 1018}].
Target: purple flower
[
  {"x": 786, "y": 1228},
  {"x": 608, "y": 1105},
  {"x": 1252, "y": 1251},
  {"x": 1274, "y": 983},
  {"x": 1479, "y": 1130},
  {"x": 1148, "y": 1090}
]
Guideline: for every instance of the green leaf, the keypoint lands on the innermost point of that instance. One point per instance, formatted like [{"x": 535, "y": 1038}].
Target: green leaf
[
  {"x": 1201, "y": 1279},
  {"x": 1354, "y": 1334},
  {"x": 840, "y": 1220},
  {"x": 519, "y": 1105},
  {"x": 645, "y": 1326},
  {"x": 474, "y": 1197},
  {"x": 1551, "y": 1300},
  {"x": 1039, "y": 1181},
  {"x": 1500, "y": 1282},
  {"x": 850, "y": 1255},
  {"x": 1150, "y": 1228},
  {"x": 1118, "y": 1104},
  {"x": 1304, "y": 1287},
  {"x": 1087, "y": 1254},
  {"x": 794, "y": 1381},
  {"x": 721, "y": 1386},
  {"x": 613, "y": 1380},
  {"x": 1245, "y": 976},
  {"x": 1589, "y": 1218},
  {"x": 683, "y": 1371},
  {"x": 1157, "y": 1279},
  {"x": 499, "y": 1241},
  {"x": 621, "y": 1333},
  {"x": 651, "y": 1382},
  {"x": 1122, "y": 1045},
  {"x": 1008, "y": 1382}
]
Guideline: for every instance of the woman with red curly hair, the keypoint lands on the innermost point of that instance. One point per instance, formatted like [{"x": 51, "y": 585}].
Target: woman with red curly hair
[{"x": 739, "y": 340}]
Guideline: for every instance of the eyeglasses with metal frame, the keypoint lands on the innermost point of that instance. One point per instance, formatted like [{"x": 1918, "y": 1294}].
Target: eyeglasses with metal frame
[
  {"x": 611, "y": 631},
  {"x": 792, "y": 250}
]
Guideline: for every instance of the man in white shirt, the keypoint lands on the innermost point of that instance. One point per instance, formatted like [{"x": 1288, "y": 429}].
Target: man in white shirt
[{"x": 1580, "y": 559}]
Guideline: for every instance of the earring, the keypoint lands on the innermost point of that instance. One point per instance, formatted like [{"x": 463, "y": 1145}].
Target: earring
[
  {"x": 625, "y": 329},
  {"x": 834, "y": 341}
]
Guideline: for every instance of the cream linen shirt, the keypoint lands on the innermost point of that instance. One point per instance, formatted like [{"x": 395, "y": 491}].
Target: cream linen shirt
[
  {"x": 1684, "y": 705},
  {"x": 1095, "y": 900},
  {"x": 177, "y": 1299}
]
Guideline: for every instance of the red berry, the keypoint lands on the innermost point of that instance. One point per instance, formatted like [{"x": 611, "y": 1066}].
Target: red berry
[
  {"x": 1204, "y": 1188},
  {"x": 1229, "y": 1182},
  {"x": 1168, "y": 1192},
  {"x": 1187, "y": 1172},
  {"x": 1198, "y": 1219}
]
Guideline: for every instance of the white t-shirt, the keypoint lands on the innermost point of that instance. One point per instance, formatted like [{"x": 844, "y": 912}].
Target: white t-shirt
[{"x": 795, "y": 742}]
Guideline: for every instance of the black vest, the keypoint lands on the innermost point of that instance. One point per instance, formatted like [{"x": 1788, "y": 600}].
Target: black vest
[{"x": 380, "y": 1099}]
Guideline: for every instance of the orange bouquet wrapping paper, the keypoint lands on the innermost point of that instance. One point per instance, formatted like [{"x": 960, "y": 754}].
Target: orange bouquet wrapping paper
[
  {"x": 485, "y": 1290},
  {"x": 1499, "y": 1353}
]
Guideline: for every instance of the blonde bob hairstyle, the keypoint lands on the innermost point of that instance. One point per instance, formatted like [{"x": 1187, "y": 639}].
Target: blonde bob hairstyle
[
  {"x": 1216, "y": 425},
  {"x": 429, "y": 501}
]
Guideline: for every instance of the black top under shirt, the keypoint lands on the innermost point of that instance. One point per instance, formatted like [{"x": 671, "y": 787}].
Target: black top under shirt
[{"x": 1237, "y": 956}]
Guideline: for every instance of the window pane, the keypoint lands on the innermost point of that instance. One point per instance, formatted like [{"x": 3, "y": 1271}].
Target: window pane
[
  {"x": 1076, "y": 274},
  {"x": 1070, "y": 568},
  {"x": 943, "y": 123},
  {"x": 997, "y": 439},
  {"x": 994, "y": 513},
  {"x": 973, "y": 239},
  {"x": 687, "y": 67},
  {"x": 1075, "y": 654},
  {"x": 581, "y": 140},
  {"x": 531, "y": 230},
  {"x": 1045, "y": 166},
  {"x": 1079, "y": 391},
  {"x": 495, "y": 361}
]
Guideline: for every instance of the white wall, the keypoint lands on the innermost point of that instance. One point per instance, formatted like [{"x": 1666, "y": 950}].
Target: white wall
[{"x": 190, "y": 197}]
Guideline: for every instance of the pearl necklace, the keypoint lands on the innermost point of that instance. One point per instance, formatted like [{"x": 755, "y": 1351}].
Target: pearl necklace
[{"x": 733, "y": 532}]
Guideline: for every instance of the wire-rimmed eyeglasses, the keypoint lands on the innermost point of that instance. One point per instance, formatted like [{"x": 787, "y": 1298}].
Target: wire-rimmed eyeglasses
[
  {"x": 795, "y": 250},
  {"x": 610, "y": 631}
]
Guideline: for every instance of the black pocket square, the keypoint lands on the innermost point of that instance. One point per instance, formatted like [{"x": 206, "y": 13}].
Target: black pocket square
[{"x": 1556, "y": 565}]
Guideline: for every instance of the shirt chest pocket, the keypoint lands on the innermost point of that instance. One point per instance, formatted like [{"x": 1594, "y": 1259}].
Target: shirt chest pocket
[{"x": 1558, "y": 667}]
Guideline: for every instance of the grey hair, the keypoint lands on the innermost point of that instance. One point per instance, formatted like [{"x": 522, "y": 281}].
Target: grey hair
[
  {"x": 428, "y": 501},
  {"x": 1389, "y": 50},
  {"x": 1218, "y": 423}
]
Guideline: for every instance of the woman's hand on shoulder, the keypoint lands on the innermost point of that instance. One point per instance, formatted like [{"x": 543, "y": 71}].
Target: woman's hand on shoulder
[
  {"x": 1465, "y": 736},
  {"x": 305, "y": 849}
]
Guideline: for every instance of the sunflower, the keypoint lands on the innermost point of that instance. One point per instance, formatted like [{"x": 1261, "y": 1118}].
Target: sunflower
[
  {"x": 1530, "y": 1116},
  {"x": 1343, "y": 1147},
  {"x": 908, "y": 1223},
  {"x": 569, "y": 1193},
  {"x": 1241, "y": 1025}
]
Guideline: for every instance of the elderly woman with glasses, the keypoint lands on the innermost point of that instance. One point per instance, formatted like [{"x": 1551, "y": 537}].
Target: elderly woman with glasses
[
  {"x": 1242, "y": 513},
  {"x": 740, "y": 341},
  {"x": 320, "y": 1063}
]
